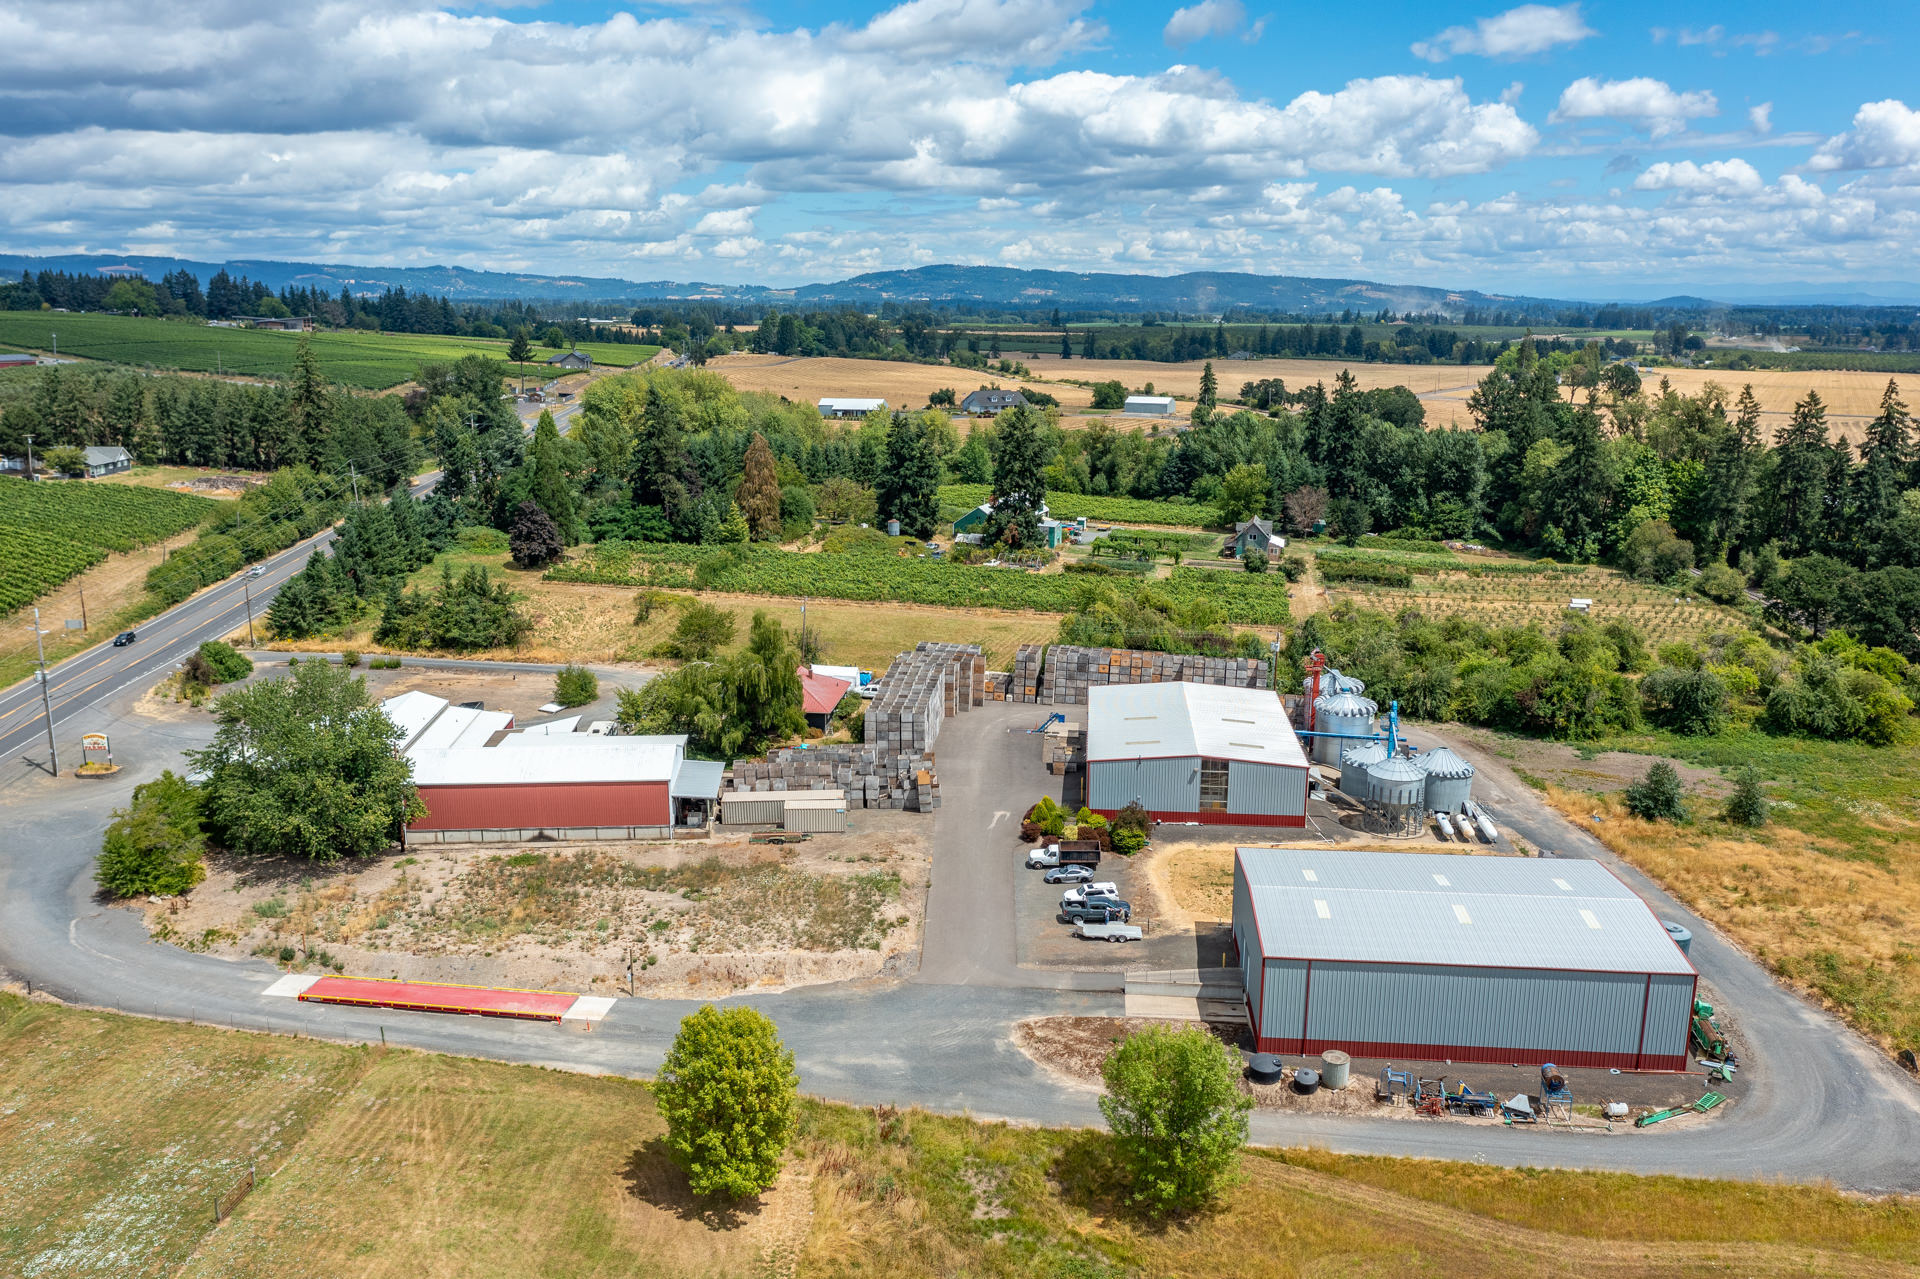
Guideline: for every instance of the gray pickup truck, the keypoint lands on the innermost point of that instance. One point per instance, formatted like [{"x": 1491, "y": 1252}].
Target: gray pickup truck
[{"x": 1096, "y": 910}]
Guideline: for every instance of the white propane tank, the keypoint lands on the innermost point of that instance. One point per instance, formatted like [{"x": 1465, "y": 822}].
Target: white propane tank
[
  {"x": 1446, "y": 827},
  {"x": 1616, "y": 1110}
]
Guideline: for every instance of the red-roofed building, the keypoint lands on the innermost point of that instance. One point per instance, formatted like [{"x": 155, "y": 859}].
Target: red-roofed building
[{"x": 819, "y": 694}]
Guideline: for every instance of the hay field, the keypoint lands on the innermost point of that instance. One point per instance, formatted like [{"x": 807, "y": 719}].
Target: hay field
[
  {"x": 1852, "y": 397},
  {"x": 116, "y": 1133}
]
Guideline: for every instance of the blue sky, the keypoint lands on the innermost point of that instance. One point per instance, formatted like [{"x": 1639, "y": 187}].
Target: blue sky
[{"x": 1592, "y": 149}]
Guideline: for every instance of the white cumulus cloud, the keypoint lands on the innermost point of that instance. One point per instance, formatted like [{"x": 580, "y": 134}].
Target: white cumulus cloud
[
  {"x": 1884, "y": 135},
  {"x": 1715, "y": 177},
  {"x": 1517, "y": 33},
  {"x": 1641, "y": 101},
  {"x": 1209, "y": 18}
]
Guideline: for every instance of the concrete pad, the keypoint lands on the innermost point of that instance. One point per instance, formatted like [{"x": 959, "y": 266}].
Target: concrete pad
[
  {"x": 293, "y": 985},
  {"x": 589, "y": 1008}
]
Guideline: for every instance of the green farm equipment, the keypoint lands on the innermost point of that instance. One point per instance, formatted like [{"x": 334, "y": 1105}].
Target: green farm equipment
[{"x": 1707, "y": 1102}]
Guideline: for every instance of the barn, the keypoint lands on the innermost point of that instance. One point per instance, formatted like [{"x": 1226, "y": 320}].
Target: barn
[
  {"x": 596, "y": 788},
  {"x": 1448, "y": 957},
  {"x": 1195, "y": 753}
]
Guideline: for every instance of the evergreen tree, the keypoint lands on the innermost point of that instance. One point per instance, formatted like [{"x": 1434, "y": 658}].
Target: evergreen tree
[
  {"x": 759, "y": 492},
  {"x": 310, "y": 394},
  {"x": 1210, "y": 387},
  {"x": 1582, "y": 488},
  {"x": 1020, "y": 457},
  {"x": 1803, "y": 463},
  {"x": 1747, "y": 806},
  {"x": 1657, "y": 797},
  {"x": 548, "y": 485},
  {"x": 1066, "y": 345},
  {"x": 1885, "y": 456},
  {"x": 521, "y": 348},
  {"x": 909, "y": 484},
  {"x": 1728, "y": 478},
  {"x": 1086, "y": 346}
]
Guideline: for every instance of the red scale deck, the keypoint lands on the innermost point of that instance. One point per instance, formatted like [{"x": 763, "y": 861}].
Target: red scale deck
[{"x": 432, "y": 997}]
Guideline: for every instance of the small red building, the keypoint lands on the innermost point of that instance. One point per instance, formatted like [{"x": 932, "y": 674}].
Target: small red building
[
  {"x": 595, "y": 788},
  {"x": 819, "y": 694}
]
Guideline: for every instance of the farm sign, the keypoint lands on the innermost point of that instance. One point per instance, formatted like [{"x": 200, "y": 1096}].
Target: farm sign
[{"x": 92, "y": 744}]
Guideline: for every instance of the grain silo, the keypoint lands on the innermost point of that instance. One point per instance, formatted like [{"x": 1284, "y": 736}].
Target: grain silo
[
  {"x": 1355, "y": 759},
  {"x": 1449, "y": 780},
  {"x": 1396, "y": 797},
  {"x": 1342, "y": 717}
]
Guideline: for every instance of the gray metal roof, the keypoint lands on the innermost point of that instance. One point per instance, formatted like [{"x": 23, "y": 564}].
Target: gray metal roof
[
  {"x": 1343, "y": 703},
  {"x": 1440, "y": 908},
  {"x": 697, "y": 779},
  {"x": 1180, "y": 719},
  {"x": 1441, "y": 762}
]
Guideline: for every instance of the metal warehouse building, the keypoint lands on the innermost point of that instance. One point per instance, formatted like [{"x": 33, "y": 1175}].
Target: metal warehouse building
[
  {"x": 1195, "y": 753},
  {"x": 1428, "y": 956}
]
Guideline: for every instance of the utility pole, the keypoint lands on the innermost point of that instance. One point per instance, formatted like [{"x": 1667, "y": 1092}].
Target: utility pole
[
  {"x": 83, "y": 608},
  {"x": 246, "y": 588},
  {"x": 29, "y": 458},
  {"x": 355, "y": 476},
  {"x": 46, "y": 698}
]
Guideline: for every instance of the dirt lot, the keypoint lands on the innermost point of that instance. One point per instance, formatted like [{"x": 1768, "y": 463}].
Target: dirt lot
[
  {"x": 1077, "y": 1047},
  {"x": 695, "y": 917},
  {"x": 1542, "y": 763}
]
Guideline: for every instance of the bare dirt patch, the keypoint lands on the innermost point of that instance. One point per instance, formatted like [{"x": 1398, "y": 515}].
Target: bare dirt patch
[
  {"x": 1542, "y": 763},
  {"x": 693, "y": 917}
]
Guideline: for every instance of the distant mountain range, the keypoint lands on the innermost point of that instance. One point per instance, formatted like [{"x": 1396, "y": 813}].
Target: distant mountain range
[{"x": 1205, "y": 292}]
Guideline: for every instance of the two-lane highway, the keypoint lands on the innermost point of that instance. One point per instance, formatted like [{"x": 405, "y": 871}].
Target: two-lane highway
[{"x": 84, "y": 680}]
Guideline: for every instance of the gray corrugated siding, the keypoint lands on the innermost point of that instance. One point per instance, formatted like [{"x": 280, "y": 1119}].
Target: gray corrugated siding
[
  {"x": 1669, "y": 1008},
  {"x": 1476, "y": 1007},
  {"x": 767, "y": 808},
  {"x": 1284, "y": 999},
  {"x": 1266, "y": 788},
  {"x": 1245, "y": 939},
  {"x": 826, "y": 821},
  {"x": 1163, "y": 785}
]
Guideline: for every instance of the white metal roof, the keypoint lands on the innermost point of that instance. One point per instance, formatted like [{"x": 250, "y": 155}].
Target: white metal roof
[
  {"x": 639, "y": 759},
  {"x": 851, "y": 674},
  {"x": 412, "y": 712},
  {"x": 547, "y": 741},
  {"x": 1440, "y": 908},
  {"x": 553, "y": 727},
  {"x": 1158, "y": 721},
  {"x": 1137, "y": 402},
  {"x": 851, "y": 405},
  {"x": 697, "y": 779},
  {"x": 447, "y": 729}
]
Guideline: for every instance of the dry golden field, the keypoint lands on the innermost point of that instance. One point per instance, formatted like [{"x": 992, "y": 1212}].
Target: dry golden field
[{"x": 1852, "y": 397}]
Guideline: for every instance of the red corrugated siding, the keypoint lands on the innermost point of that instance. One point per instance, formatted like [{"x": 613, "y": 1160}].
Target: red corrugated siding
[
  {"x": 544, "y": 804},
  {"x": 1293, "y": 1045},
  {"x": 1222, "y": 819}
]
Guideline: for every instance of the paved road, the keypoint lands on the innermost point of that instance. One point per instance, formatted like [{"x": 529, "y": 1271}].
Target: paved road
[{"x": 82, "y": 682}]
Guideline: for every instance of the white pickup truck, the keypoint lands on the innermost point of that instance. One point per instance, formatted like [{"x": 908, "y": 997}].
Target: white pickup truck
[{"x": 1108, "y": 932}]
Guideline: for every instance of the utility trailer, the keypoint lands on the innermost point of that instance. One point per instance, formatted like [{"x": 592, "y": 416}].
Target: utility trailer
[{"x": 1109, "y": 932}]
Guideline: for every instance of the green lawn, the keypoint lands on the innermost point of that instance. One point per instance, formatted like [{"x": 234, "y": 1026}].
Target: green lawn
[{"x": 373, "y": 361}]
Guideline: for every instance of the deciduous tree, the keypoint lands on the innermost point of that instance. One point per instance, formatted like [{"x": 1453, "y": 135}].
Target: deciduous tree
[
  {"x": 1175, "y": 1106},
  {"x": 727, "y": 1091}
]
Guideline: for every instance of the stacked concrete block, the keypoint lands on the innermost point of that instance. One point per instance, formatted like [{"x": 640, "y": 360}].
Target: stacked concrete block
[{"x": 1071, "y": 671}]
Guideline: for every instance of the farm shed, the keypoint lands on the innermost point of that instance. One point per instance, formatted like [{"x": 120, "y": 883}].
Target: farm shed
[
  {"x": 848, "y": 407},
  {"x": 819, "y": 695},
  {"x": 1148, "y": 406},
  {"x": 1195, "y": 753},
  {"x": 599, "y": 788},
  {"x": 1434, "y": 956}
]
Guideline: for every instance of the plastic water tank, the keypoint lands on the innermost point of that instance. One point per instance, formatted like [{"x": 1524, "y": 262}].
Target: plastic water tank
[
  {"x": 1449, "y": 780},
  {"x": 1355, "y": 759},
  {"x": 1306, "y": 1081},
  {"x": 1682, "y": 937},
  {"x": 1264, "y": 1068},
  {"x": 1397, "y": 781},
  {"x": 1338, "y": 713}
]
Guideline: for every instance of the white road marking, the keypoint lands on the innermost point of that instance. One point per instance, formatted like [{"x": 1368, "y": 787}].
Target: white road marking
[
  {"x": 996, "y": 819},
  {"x": 74, "y": 937}
]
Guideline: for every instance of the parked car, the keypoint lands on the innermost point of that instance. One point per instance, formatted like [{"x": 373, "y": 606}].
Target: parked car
[
  {"x": 1109, "y": 932},
  {"x": 1104, "y": 889},
  {"x": 1066, "y": 875},
  {"x": 124, "y": 638}
]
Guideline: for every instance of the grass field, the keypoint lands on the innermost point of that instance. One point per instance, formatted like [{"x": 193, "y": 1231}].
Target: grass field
[
  {"x": 1852, "y": 397},
  {"x": 117, "y": 1134},
  {"x": 372, "y": 361},
  {"x": 1827, "y": 895}
]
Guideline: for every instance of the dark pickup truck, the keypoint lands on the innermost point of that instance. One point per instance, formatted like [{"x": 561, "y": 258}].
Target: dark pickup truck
[{"x": 1098, "y": 910}]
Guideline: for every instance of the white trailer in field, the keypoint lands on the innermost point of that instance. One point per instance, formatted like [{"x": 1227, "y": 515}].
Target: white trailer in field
[{"x": 1109, "y": 932}]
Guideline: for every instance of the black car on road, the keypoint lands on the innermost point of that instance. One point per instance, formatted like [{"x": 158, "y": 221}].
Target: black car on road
[{"x": 124, "y": 638}]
